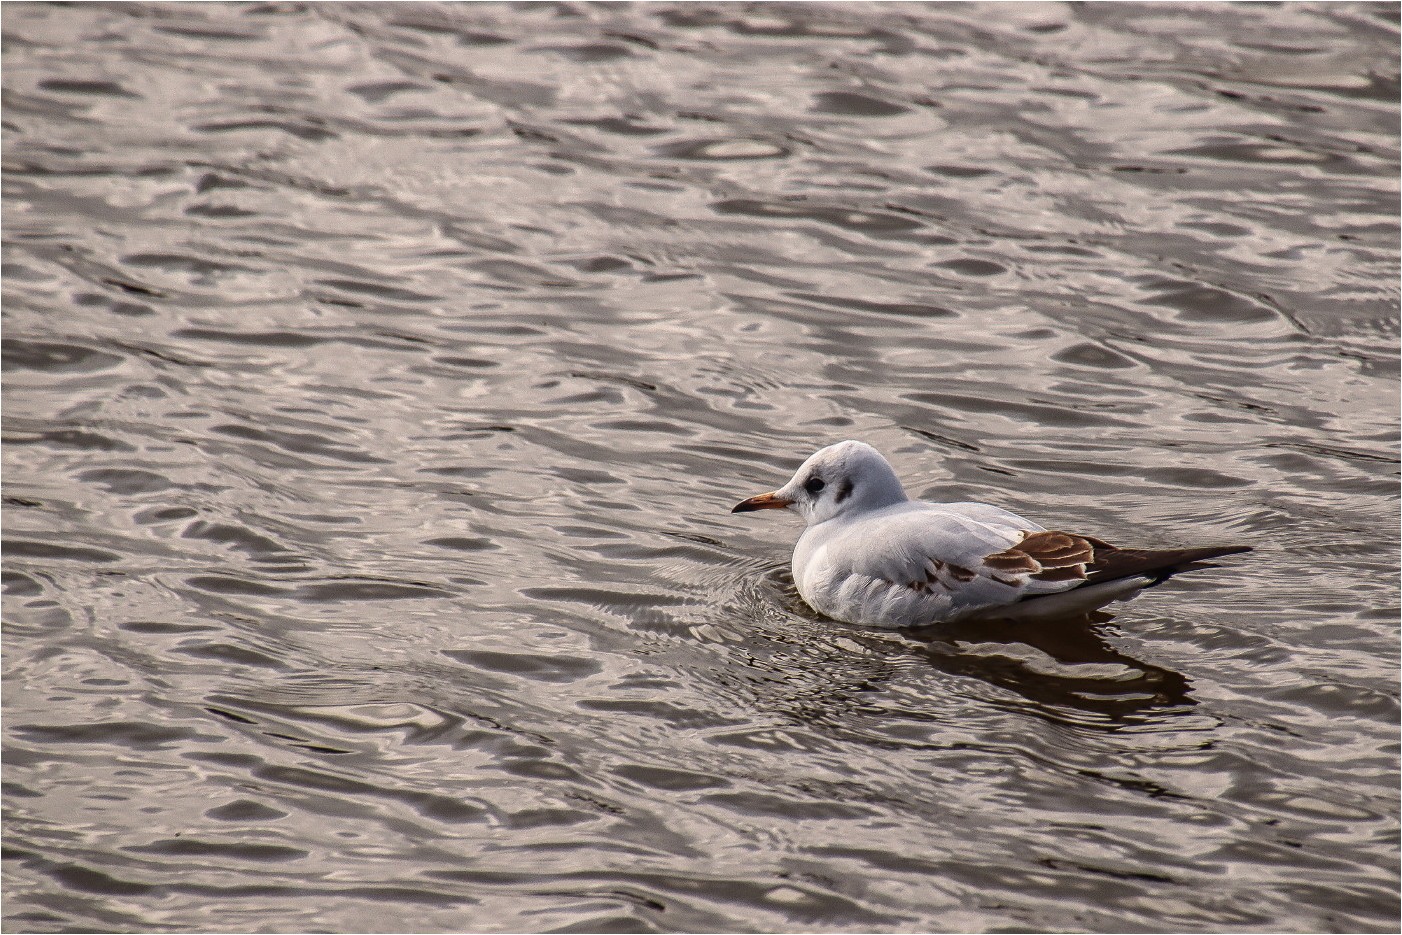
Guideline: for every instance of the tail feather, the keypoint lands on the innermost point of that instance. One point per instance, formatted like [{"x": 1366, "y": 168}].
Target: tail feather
[{"x": 1158, "y": 564}]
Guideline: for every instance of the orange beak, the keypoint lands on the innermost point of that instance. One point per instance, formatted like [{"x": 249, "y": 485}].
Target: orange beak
[{"x": 765, "y": 501}]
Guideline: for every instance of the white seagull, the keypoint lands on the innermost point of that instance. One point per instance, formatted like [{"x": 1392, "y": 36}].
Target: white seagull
[{"x": 872, "y": 556}]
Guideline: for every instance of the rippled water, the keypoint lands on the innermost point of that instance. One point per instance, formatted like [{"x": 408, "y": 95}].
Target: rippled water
[{"x": 378, "y": 379}]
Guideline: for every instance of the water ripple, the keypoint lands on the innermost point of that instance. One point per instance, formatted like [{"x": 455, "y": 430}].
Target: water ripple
[{"x": 379, "y": 379}]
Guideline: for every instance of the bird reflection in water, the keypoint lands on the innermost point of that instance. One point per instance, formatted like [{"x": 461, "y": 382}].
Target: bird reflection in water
[{"x": 1068, "y": 663}]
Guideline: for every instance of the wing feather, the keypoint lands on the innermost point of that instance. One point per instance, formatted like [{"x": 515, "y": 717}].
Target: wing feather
[{"x": 1048, "y": 556}]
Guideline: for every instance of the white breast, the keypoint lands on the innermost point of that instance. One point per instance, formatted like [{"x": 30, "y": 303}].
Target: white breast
[{"x": 873, "y": 602}]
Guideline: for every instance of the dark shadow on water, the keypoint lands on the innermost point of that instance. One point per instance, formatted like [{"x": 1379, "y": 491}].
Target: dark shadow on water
[{"x": 1066, "y": 663}]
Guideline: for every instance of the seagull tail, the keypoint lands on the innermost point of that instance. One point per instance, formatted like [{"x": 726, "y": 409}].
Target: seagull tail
[{"x": 1156, "y": 564}]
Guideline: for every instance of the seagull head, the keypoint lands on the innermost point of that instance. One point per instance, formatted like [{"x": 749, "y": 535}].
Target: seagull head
[{"x": 847, "y": 478}]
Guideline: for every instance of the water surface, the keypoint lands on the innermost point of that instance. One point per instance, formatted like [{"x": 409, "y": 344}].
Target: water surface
[{"x": 378, "y": 379}]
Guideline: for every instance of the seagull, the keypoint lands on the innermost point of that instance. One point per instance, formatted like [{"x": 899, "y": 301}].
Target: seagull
[{"x": 871, "y": 556}]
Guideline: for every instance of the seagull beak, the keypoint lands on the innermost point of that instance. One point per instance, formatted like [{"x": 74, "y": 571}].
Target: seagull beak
[{"x": 765, "y": 501}]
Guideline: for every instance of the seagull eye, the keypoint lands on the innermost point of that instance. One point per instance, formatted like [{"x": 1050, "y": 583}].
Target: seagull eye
[{"x": 813, "y": 485}]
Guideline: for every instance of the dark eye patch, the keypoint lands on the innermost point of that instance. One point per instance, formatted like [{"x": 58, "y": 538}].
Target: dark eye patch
[
  {"x": 845, "y": 490},
  {"x": 813, "y": 484}
]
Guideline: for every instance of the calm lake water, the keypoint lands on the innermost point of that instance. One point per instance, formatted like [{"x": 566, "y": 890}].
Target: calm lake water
[{"x": 378, "y": 379}]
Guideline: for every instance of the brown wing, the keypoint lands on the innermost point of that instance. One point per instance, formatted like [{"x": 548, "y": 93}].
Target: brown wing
[
  {"x": 1048, "y": 556},
  {"x": 1061, "y": 556}
]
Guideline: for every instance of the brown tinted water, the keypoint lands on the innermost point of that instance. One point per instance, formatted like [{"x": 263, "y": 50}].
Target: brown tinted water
[{"x": 378, "y": 380}]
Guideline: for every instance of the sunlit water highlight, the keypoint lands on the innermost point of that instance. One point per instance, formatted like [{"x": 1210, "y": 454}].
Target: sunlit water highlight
[{"x": 378, "y": 379}]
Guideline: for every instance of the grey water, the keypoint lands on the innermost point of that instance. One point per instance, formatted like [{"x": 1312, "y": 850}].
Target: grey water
[{"x": 378, "y": 379}]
